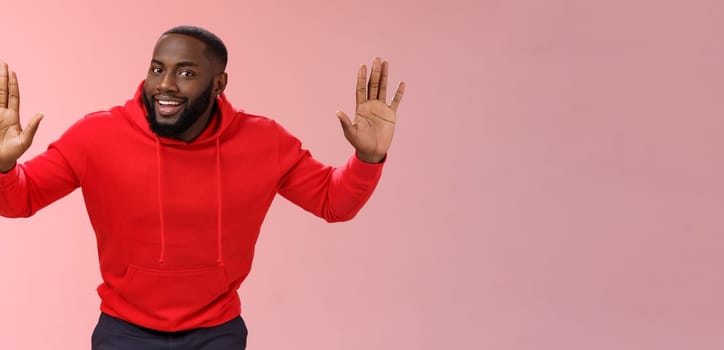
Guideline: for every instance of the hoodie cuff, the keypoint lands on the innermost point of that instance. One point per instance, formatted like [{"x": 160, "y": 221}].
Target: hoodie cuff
[
  {"x": 365, "y": 170},
  {"x": 10, "y": 178}
]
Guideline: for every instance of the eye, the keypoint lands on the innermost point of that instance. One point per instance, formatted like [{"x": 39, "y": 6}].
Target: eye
[
  {"x": 186, "y": 73},
  {"x": 156, "y": 70}
]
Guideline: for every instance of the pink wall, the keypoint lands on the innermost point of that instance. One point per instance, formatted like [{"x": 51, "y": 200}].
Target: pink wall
[{"x": 555, "y": 181}]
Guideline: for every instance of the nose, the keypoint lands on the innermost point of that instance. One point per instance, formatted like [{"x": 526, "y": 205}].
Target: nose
[{"x": 168, "y": 82}]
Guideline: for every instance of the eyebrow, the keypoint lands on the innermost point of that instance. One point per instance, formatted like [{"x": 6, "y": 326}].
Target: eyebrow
[{"x": 178, "y": 64}]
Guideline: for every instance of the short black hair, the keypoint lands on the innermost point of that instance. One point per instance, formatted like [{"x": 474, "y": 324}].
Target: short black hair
[{"x": 214, "y": 46}]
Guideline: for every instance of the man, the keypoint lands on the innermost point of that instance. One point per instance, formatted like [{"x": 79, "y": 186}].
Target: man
[{"x": 177, "y": 183}]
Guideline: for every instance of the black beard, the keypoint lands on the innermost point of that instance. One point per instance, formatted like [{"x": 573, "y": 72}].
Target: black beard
[{"x": 191, "y": 113}]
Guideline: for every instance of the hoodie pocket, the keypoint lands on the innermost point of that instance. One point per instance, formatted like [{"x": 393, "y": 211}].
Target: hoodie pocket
[{"x": 173, "y": 292}]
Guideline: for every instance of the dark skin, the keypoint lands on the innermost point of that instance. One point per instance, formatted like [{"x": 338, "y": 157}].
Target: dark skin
[
  {"x": 181, "y": 71},
  {"x": 374, "y": 124},
  {"x": 14, "y": 140}
]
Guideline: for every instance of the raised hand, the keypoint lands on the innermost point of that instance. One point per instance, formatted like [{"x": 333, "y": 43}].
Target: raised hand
[
  {"x": 374, "y": 124},
  {"x": 14, "y": 141}
]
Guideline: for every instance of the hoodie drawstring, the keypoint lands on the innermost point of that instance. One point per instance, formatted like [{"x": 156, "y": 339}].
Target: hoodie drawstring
[
  {"x": 219, "y": 257},
  {"x": 160, "y": 202}
]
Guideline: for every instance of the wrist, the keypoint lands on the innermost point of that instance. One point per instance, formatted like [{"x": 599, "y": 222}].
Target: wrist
[{"x": 371, "y": 158}]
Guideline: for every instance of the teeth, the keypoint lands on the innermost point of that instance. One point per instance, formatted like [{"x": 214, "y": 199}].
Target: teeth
[{"x": 169, "y": 103}]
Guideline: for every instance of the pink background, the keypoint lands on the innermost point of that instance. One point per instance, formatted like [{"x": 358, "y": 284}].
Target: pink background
[{"x": 555, "y": 180}]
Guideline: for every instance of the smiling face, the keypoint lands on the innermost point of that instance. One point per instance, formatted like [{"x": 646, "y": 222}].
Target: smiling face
[{"x": 181, "y": 85}]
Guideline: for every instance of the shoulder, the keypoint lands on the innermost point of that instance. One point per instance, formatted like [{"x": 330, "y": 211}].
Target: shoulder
[
  {"x": 253, "y": 120},
  {"x": 257, "y": 124},
  {"x": 260, "y": 131},
  {"x": 95, "y": 125},
  {"x": 97, "y": 119}
]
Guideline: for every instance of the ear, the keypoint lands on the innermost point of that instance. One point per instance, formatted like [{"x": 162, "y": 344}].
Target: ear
[{"x": 220, "y": 81}]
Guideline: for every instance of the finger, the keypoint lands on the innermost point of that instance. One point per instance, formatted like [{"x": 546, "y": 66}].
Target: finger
[
  {"x": 382, "y": 94},
  {"x": 398, "y": 96},
  {"x": 14, "y": 92},
  {"x": 374, "y": 82},
  {"x": 3, "y": 85},
  {"x": 361, "y": 86},
  {"x": 31, "y": 129},
  {"x": 347, "y": 125}
]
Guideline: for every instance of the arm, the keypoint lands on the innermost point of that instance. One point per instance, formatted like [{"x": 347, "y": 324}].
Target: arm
[
  {"x": 31, "y": 186},
  {"x": 25, "y": 188},
  {"x": 337, "y": 194},
  {"x": 334, "y": 194}
]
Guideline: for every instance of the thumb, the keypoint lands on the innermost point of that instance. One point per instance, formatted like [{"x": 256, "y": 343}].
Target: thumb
[
  {"x": 32, "y": 128},
  {"x": 347, "y": 125}
]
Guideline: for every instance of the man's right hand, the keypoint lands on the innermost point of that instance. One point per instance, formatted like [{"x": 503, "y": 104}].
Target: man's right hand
[{"x": 14, "y": 141}]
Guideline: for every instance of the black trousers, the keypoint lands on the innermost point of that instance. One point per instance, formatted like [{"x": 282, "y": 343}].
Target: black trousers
[{"x": 115, "y": 334}]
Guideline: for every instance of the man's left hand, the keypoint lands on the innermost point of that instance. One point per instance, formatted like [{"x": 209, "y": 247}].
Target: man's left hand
[{"x": 371, "y": 131}]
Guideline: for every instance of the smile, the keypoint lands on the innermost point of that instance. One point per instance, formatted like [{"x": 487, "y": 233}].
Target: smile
[{"x": 167, "y": 108}]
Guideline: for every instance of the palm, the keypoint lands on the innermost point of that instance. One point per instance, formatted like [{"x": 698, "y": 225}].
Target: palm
[
  {"x": 373, "y": 129},
  {"x": 374, "y": 124},
  {"x": 14, "y": 141}
]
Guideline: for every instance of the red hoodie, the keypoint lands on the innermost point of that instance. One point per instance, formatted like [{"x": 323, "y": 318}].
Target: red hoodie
[{"x": 176, "y": 223}]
